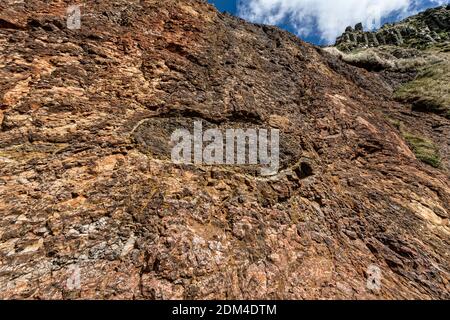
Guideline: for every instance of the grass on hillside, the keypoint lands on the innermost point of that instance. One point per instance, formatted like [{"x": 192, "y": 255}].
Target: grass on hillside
[
  {"x": 386, "y": 58},
  {"x": 424, "y": 149},
  {"x": 430, "y": 91}
]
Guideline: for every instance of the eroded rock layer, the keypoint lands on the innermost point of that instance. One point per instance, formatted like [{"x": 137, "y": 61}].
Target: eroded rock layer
[{"x": 82, "y": 187}]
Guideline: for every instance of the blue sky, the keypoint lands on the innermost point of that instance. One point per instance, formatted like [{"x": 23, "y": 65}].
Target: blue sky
[
  {"x": 321, "y": 21},
  {"x": 225, "y": 5}
]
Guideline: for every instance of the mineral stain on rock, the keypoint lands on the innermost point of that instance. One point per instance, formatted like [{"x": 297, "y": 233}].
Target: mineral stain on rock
[{"x": 85, "y": 183}]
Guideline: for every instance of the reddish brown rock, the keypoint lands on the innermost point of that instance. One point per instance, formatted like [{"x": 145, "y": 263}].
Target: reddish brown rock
[{"x": 92, "y": 207}]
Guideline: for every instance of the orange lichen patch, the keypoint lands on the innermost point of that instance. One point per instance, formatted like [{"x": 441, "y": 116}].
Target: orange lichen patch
[
  {"x": 20, "y": 90},
  {"x": 67, "y": 91},
  {"x": 42, "y": 67},
  {"x": 73, "y": 203},
  {"x": 107, "y": 164}
]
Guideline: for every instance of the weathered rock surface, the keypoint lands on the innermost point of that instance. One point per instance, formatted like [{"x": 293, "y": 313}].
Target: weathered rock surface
[{"x": 85, "y": 186}]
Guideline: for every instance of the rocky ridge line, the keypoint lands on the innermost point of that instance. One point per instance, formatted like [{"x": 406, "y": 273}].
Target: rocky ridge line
[{"x": 429, "y": 27}]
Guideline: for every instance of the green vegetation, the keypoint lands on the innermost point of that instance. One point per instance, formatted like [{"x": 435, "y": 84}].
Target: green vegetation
[
  {"x": 430, "y": 91},
  {"x": 387, "y": 58},
  {"x": 414, "y": 58},
  {"x": 424, "y": 149},
  {"x": 396, "y": 123}
]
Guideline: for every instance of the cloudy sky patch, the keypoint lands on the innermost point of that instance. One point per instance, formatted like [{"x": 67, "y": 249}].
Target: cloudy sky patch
[{"x": 328, "y": 18}]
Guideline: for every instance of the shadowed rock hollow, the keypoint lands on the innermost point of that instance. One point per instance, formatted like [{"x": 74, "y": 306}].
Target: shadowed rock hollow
[{"x": 83, "y": 185}]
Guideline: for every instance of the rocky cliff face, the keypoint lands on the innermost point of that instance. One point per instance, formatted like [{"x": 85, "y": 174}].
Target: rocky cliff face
[
  {"x": 412, "y": 57},
  {"x": 427, "y": 28},
  {"x": 91, "y": 206}
]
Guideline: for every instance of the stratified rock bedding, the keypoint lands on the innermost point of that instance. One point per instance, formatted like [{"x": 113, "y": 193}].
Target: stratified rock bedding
[{"x": 85, "y": 186}]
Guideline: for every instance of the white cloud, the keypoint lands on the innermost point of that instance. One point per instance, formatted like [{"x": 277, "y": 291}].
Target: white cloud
[{"x": 327, "y": 17}]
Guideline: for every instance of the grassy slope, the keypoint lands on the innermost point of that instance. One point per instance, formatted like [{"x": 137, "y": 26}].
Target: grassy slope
[
  {"x": 430, "y": 91},
  {"x": 424, "y": 149}
]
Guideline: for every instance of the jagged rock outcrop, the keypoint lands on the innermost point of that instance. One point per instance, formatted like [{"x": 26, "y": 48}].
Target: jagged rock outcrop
[
  {"x": 428, "y": 27},
  {"x": 91, "y": 207}
]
